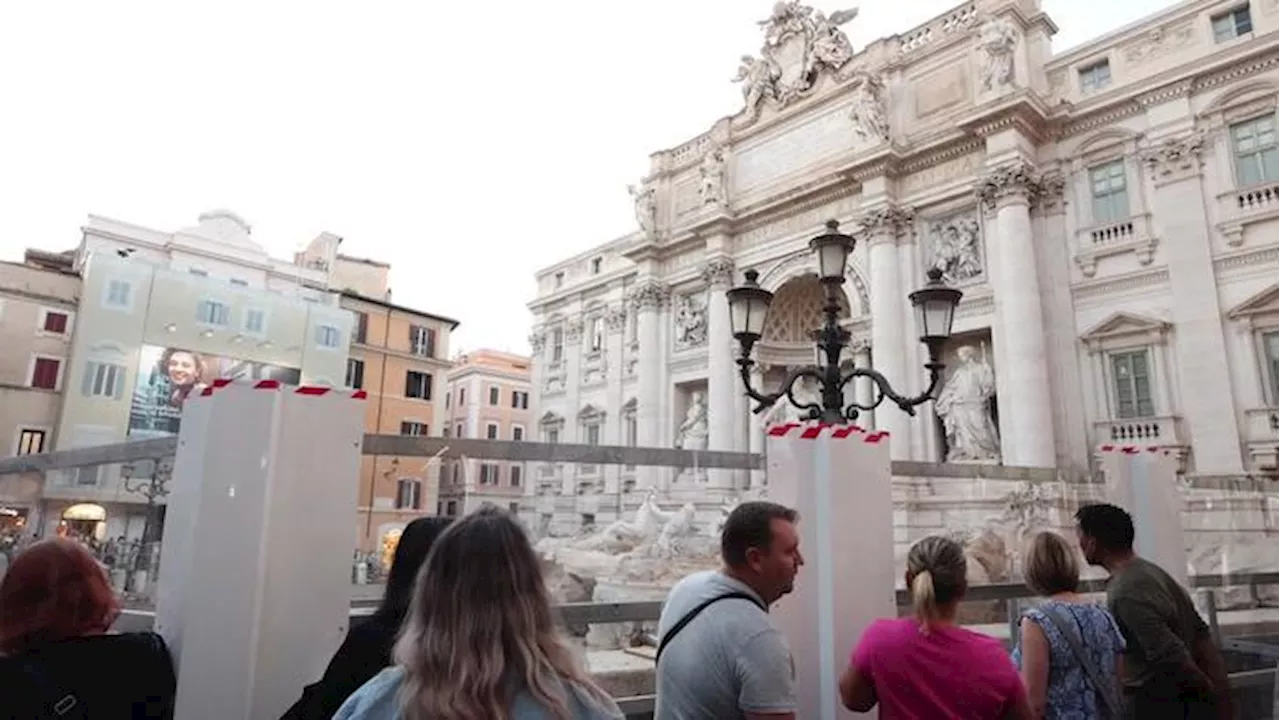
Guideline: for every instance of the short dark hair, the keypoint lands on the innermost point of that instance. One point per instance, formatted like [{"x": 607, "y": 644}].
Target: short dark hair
[
  {"x": 751, "y": 525},
  {"x": 1110, "y": 526}
]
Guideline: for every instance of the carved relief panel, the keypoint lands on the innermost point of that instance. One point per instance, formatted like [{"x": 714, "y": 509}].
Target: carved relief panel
[
  {"x": 954, "y": 245},
  {"x": 690, "y": 316}
]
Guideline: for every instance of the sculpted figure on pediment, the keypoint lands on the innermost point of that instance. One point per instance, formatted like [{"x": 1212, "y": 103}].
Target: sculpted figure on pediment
[
  {"x": 998, "y": 39},
  {"x": 646, "y": 208},
  {"x": 712, "y": 187},
  {"x": 757, "y": 76},
  {"x": 831, "y": 46},
  {"x": 870, "y": 109}
]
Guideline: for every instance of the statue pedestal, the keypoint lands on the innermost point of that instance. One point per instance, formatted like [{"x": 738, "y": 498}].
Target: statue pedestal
[
  {"x": 839, "y": 480},
  {"x": 1144, "y": 481}
]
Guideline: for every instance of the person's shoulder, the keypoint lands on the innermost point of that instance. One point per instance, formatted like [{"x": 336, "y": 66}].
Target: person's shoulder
[
  {"x": 376, "y": 699},
  {"x": 981, "y": 644}
]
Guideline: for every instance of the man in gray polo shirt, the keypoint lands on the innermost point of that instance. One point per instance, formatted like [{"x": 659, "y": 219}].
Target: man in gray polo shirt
[{"x": 728, "y": 660}]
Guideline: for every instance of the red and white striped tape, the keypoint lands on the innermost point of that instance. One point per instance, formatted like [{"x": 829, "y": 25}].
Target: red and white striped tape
[
  {"x": 312, "y": 390},
  {"x": 814, "y": 431},
  {"x": 1132, "y": 449}
]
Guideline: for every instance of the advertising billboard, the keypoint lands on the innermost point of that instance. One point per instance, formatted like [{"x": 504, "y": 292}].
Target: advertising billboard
[{"x": 167, "y": 376}]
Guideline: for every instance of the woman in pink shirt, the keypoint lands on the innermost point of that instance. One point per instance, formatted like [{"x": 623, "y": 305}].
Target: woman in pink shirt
[{"x": 926, "y": 667}]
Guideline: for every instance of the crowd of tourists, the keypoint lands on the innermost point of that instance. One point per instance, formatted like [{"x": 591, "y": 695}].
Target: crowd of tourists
[{"x": 466, "y": 631}]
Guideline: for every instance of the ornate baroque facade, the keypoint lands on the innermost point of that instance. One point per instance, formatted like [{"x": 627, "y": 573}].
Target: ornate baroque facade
[{"x": 1109, "y": 212}]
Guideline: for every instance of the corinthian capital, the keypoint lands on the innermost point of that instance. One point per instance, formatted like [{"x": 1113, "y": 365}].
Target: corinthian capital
[
  {"x": 616, "y": 319},
  {"x": 718, "y": 272},
  {"x": 649, "y": 295},
  {"x": 1014, "y": 181},
  {"x": 886, "y": 223},
  {"x": 1175, "y": 157},
  {"x": 573, "y": 330},
  {"x": 537, "y": 340}
]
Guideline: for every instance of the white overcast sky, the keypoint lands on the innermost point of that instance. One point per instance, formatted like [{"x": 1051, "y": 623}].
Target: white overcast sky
[{"x": 468, "y": 144}]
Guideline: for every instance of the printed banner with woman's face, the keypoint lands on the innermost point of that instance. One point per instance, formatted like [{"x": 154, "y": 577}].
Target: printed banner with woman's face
[{"x": 167, "y": 376}]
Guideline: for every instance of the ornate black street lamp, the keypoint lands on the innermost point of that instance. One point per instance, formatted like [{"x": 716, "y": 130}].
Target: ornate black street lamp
[{"x": 935, "y": 306}]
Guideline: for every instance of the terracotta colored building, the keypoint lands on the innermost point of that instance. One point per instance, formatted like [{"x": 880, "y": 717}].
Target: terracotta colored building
[{"x": 398, "y": 356}]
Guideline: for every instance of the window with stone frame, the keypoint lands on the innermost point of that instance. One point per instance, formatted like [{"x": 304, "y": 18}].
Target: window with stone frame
[
  {"x": 591, "y": 420},
  {"x": 595, "y": 334},
  {"x": 1254, "y": 149},
  {"x": 1131, "y": 384},
  {"x": 1095, "y": 77},
  {"x": 550, "y": 426},
  {"x": 557, "y": 345},
  {"x": 1108, "y": 188},
  {"x": 1232, "y": 24},
  {"x": 1130, "y": 360}
]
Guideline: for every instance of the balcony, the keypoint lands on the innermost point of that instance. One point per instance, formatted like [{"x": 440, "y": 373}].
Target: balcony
[
  {"x": 1245, "y": 206},
  {"x": 1261, "y": 433},
  {"x": 1114, "y": 238},
  {"x": 1160, "y": 431}
]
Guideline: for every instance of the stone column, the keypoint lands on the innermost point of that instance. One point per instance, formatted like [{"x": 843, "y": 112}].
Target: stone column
[
  {"x": 572, "y": 432},
  {"x": 882, "y": 228},
  {"x": 648, "y": 297},
  {"x": 722, "y": 381},
  {"x": 538, "y": 378},
  {"x": 1208, "y": 406},
  {"x": 863, "y": 391},
  {"x": 1008, "y": 192},
  {"x": 755, "y": 431},
  {"x": 615, "y": 322}
]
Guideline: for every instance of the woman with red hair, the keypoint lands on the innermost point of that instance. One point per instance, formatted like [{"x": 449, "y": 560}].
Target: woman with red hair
[{"x": 56, "y": 612}]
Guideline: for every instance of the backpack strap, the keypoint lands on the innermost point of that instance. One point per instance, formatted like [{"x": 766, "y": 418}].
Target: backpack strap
[
  {"x": 688, "y": 618},
  {"x": 1106, "y": 691}
]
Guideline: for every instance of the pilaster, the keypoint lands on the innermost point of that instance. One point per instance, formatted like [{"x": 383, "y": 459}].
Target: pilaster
[
  {"x": 573, "y": 402},
  {"x": 1208, "y": 408}
]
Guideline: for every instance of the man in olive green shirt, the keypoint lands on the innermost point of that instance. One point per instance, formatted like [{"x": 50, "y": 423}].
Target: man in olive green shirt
[{"x": 1172, "y": 669}]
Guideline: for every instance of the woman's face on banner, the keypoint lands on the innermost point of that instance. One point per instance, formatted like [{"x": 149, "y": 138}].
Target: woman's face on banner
[{"x": 183, "y": 369}]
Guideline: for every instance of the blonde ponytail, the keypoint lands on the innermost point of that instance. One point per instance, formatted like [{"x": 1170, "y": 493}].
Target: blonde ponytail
[
  {"x": 937, "y": 569},
  {"x": 923, "y": 600}
]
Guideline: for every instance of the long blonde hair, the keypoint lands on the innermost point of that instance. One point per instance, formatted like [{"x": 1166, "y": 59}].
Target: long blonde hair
[
  {"x": 935, "y": 570},
  {"x": 480, "y": 628}
]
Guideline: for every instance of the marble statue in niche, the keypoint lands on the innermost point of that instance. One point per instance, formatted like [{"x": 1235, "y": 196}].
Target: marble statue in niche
[
  {"x": 964, "y": 405},
  {"x": 869, "y": 109},
  {"x": 691, "y": 323},
  {"x": 692, "y": 434},
  {"x": 955, "y": 244},
  {"x": 997, "y": 40},
  {"x": 646, "y": 208},
  {"x": 712, "y": 187}
]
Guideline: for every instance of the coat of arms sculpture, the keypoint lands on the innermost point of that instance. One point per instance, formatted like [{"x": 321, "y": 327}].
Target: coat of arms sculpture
[{"x": 800, "y": 44}]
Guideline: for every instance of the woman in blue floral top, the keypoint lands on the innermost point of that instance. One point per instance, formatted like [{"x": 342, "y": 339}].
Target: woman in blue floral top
[{"x": 1058, "y": 685}]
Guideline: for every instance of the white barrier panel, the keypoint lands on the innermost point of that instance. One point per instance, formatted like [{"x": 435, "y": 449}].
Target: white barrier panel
[
  {"x": 255, "y": 579},
  {"x": 1144, "y": 481},
  {"x": 838, "y": 479}
]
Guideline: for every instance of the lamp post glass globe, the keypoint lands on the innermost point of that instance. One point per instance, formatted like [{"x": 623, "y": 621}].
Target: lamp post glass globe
[
  {"x": 748, "y": 307},
  {"x": 833, "y": 249},
  {"x": 935, "y": 307}
]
